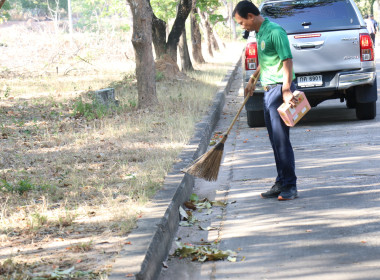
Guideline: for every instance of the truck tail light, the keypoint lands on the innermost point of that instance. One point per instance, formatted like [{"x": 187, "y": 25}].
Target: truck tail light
[
  {"x": 366, "y": 47},
  {"x": 251, "y": 60}
]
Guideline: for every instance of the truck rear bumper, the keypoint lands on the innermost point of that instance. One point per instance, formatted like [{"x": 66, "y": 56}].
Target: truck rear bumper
[{"x": 350, "y": 80}]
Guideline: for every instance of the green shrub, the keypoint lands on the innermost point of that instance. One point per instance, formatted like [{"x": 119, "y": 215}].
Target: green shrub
[{"x": 90, "y": 110}]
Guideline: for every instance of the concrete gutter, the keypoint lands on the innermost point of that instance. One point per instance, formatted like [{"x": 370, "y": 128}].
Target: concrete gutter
[{"x": 154, "y": 233}]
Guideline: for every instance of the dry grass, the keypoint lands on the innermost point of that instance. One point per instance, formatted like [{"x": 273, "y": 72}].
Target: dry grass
[{"x": 72, "y": 187}]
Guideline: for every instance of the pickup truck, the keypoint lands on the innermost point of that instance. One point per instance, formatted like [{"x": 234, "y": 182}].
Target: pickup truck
[{"x": 333, "y": 55}]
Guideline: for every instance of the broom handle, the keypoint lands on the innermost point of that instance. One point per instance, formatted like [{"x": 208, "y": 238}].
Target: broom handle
[{"x": 241, "y": 108}]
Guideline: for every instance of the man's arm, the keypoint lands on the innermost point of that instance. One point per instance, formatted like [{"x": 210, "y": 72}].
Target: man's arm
[{"x": 287, "y": 95}]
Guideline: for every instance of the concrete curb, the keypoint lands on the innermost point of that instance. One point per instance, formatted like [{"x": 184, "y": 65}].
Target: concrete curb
[{"x": 152, "y": 238}]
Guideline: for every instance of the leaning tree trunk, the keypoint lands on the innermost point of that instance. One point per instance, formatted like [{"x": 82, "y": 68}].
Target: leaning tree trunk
[
  {"x": 217, "y": 38},
  {"x": 159, "y": 31},
  {"x": 159, "y": 36},
  {"x": 214, "y": 42},
  {"x": 183, "y": 12},
  {"x": 142, "y": 43},
  {"x": 196, "y": 38},
  {"x": 184, "y": 53},
  {"x": 206, "y": 31},
  {"x": 2, "y": 3}
]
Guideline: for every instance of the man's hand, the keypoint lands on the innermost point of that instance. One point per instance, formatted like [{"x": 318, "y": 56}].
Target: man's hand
[
  {"x": 250, "y": 88},
  {"x": 288, "y": 97}
]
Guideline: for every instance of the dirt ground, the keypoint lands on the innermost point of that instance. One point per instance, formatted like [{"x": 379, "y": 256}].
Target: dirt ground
[{"x": 65, "y": 188}]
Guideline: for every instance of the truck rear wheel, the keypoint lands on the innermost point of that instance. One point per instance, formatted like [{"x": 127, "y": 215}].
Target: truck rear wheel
[
  {"x": 255, "y": 118},
  {"x": 366, "y": 111}
]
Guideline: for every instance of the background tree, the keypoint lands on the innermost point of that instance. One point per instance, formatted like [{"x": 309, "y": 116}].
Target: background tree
[
  {"x": 2, "y": 3},
  {"x": 40, "y": 8},
  {"x": 184, "y": 53},
  {"x": 70, "y": 15},
  {"x": 207, "y": 10},
  {"x": 169, "y": 46},
  {"x": 142, "y": 44},
  {"x": 95, "y": 15},
  {"x": 196, "y": 37},
  {"x": 4, "y": 7},
  {"x": 229, "y": 6},
  {"x": 365, "y": 6}
]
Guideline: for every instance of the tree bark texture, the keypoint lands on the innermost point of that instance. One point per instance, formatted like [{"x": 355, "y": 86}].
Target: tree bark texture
[
  {"x": 159, "y": 31},
  {"x": 217, "y": 38},
  {"x": 2, "y": 3},
  {"x": 196, "y": 37},
  {"x": 214, "y": 42},
  {"x": 142, "y": 43},
  {"x": 207, "y": 31},
  {"x": 159, "y": 36},
  {"x": 184, "y": 53},
  {"x": 183, "y": 12}
]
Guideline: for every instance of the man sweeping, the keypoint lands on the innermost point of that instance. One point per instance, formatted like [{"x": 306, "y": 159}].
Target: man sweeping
[{"x": 276, "y": 75}]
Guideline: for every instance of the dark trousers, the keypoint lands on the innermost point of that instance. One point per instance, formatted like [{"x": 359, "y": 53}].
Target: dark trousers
[
  {"x": 279, "y": 136},
  {"x": 373, "y": 36}
]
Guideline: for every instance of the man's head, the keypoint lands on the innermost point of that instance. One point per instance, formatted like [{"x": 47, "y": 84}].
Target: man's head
[{"x": 245, "y": 14}]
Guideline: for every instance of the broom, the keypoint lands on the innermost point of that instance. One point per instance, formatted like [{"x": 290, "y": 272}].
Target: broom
[{"x": 207, "y": 165}]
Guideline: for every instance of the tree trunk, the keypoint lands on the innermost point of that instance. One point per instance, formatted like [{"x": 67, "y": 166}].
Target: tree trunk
[
  {"x": 159, "y": 31},
  {"x": 196, "y": 38},
  {"x": 159, "y": 36},
  {"x": 70, "y": 22},
  {"x": 206, "y": 31},
  {"x": 217, "y": 38},
  {"x": 183, "y": 12},
  {"x": 2, "y": 3},
  {"x": 142, "y": 43},
  {"x": 214, "y": 42},
  {"x": 184, "y": 53},
  {"x": 232, "y": 22}
]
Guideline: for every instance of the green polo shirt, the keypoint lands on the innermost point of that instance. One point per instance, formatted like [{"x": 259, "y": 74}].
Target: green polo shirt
[{"x": 273, "y": 47}]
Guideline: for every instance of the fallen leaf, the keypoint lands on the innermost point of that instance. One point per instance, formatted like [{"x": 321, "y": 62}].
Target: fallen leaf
[
  {"x": 183, "y": 213},
  {"x": 231, "y": 259},
  {"x": 185, "y": 224},
  {"x": 194, "y": 197},
  {"x": 207, "y": 228},
  {"x": 190, "y": 205},
  {"x": 218, "y": 203}
]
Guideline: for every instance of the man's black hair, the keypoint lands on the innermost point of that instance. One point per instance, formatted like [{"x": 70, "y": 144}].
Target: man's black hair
[{"x": 245, "y": 7}]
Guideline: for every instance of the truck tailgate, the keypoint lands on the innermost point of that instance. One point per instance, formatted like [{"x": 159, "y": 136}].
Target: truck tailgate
[{"x": 329, "y": 51}]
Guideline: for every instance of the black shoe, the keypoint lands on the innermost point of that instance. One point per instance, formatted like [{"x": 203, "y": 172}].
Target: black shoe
[
  {"x": 273, "y": 192},
  {"x": 289, "y": 192}
]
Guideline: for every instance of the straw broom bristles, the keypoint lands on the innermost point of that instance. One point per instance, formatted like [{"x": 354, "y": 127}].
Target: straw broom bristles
[{"x": 207, "y": 165}]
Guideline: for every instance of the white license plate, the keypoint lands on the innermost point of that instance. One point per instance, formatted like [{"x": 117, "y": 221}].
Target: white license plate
[{"x": 310, "y": 81}]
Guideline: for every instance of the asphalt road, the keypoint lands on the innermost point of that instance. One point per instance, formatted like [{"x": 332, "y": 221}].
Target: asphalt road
[{"x": 330, "y": 232}]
